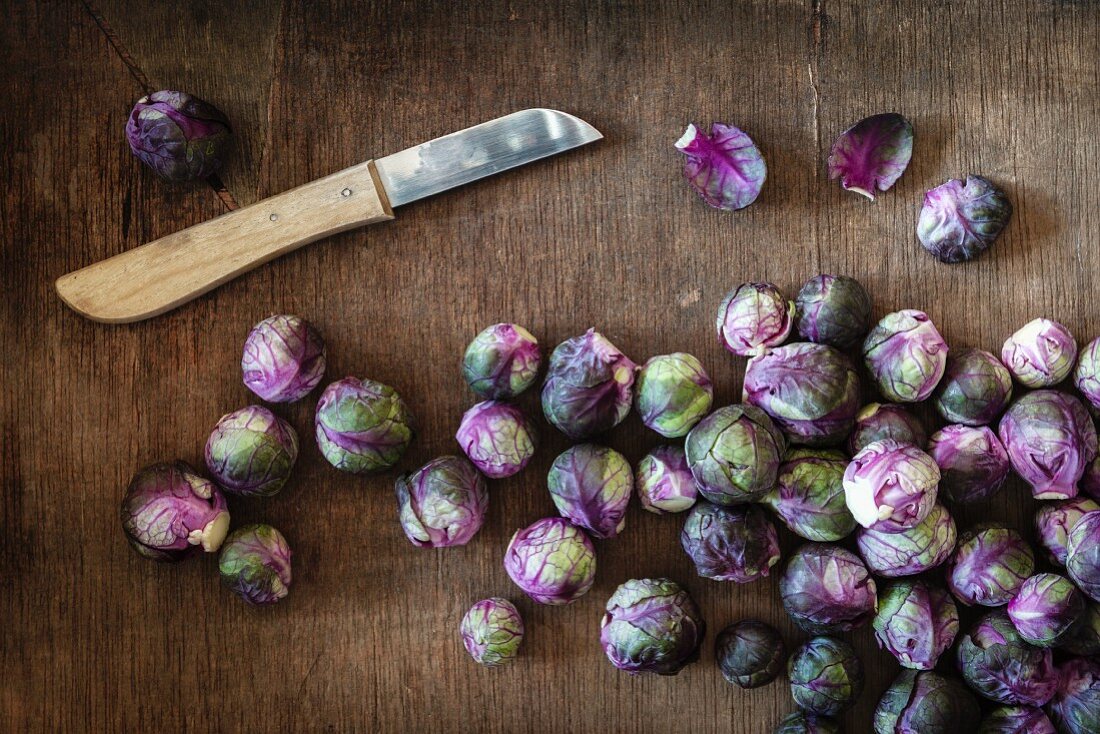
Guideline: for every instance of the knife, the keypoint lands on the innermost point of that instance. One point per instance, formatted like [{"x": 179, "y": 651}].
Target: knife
[{"x": 166, "y": 273}]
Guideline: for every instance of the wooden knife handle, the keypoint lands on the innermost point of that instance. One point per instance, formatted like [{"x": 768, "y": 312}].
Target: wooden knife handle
[{"x": 168, "y": 272}]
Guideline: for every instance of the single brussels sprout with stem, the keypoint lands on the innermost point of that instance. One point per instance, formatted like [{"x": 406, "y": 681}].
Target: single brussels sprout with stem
[
  {"x": 251, "y": 451},
  {"x": 724, "y": 167},
  {"x": 801, "y": 722},
  {"x": 734, "y": 454},
  {"x": 664, "y": 481},
  {"x": 920, "y": 548},
  {"x": 1075, "y": 707},
  {"x": 990, "y": 564},
  {"x": 890, "y": 486},
  {"x": 672, "y": 393},
  {"x": 878, "y": 421},
  {"x": 501, "y": 362},
  {"x": 1053, "y": 521},
  {"x": 1084, "y": 637},
  {"x": 826, "y": 676},
  {"x": 827, "y": 589},
  {"x": 1040, "y": 354},
  {"x": 651, "y": 626},
  {"x": 1086, "y": 375},
  {"x": 925, "y": 702},
  {"x": 441, "y": 504},
  {"x": 998, "y": 664},
  {"x": 809, "y": 495},
  {"x": 833, "y": 310},
  {"x": 181, "y": 137},
  {"x": 753, "y": 317},
  {"x": 552, "y": 561},
  {"x": 916, "y": 622},
  {"x": 492, "y": 631},
  {"x": 169, "y": 512},
  {"x": 255, "y": 564},
  {"x": 1050, "y": 440},
  {"x": 872, "y": 154},
  {"x": 283, "y": 359},
  {"x": 750, "y": 653},
  {"x": 588, "y": 387},
  {"x": 960, "y": 220},
  {"x": 905, "y": 355},
  {"x": 1083, "y": 554},
  {"x": 973, "y": 462},
  {"x": 1016, "y": 720},
  {"x": 362, "y": 426},
  {"x": 975, "y": 388},
  {"x": 730, "y": 543},
  {"x": 497, "y": 437},
  {"x": 1046, "y": 608},
  {"x": 591, "y": 487}
]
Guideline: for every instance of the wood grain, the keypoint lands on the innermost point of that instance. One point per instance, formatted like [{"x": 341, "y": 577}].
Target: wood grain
[{"x": 96, "y": 639}]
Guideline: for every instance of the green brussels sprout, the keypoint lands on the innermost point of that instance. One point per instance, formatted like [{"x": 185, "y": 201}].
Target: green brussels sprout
[
  {"x": 753, "y": 317},
  {"x": 1040, "y": 354},
  {"x": 998, "y": 664},
  {"x": 251, "y": 451},
  {"x": 906, "y": 356},
  {"x": 672, "y": 393},
  {"x": 492, "y": 631},
  {"x": 1086, "y": 376},
  {"x": 925, "y": 702},
  {"x": 501, "y": 362},
  {"x": 1053, "y": 521},
  {"x": 833, "y": 310},
  {"x": 441, "y": 504},
  {"x": 750, "y": 653},
  {"x": 255, "y": 564},
  {"x": 1016, "y": 720},
  {"x": 826, "y": 676},
  {"x": 664, "y": 481},
  {"x": 920, "y": 548},
  {"x": 591, "y": 487},
  {"x": 734, "y": 454},
  {"x": 1046, "y": 609},
  {"x": 651, "y": 626},
  {"x": 363, "y": 426},
  {"x": 975, "y": 388},
  {"x": 552, "y": 561},
  {"x": 916, "y": 622},
  {"x": 801, "y": 722},
  {"x": 809, "y": 495},
  {"x": 990, "y": 564}
]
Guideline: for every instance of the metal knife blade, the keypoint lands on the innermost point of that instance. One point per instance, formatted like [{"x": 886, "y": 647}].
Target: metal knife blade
[{"x": 480, "y": 151}]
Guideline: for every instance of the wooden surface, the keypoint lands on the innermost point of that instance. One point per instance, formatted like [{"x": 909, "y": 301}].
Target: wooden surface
[{"x": 95, "y": 638}]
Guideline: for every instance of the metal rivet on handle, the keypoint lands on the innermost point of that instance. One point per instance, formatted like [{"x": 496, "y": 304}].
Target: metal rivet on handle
[
  {"x": 274, "y": 217},
  {"x": 345, "y": 192}
]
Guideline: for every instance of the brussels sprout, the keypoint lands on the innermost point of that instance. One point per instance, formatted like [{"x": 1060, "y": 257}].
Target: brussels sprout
[
  {"x": 975, "y": 388},
  {"x": 255, "y": 564},
  {"x": 960, "y": 220},
  {"x": 810, "y": 390},
  {"x": 672, "y": 394},
  {"x": 826, "y": 588},
  {"x": 1046, "y": 608},
  {"x": 1075, "y": 707},
  {"x": 1086, "y": 376},
  {"x": 878, "y": 421},
  {"x": 1016, "y": 720},
  {"x": 283, "y": 359},
  {"x": 497, "y": 437},
  {"x": 924, "y": 702},
  {"x": 588, "y": 386},
  {"x": 802, "y": 723},
  {"x": 734, "y": 454},
  {"x": 1053, "y": 522},
  {"x": 973, "y": 462},
  {"x": 664, "y": 481},
  {"x": 990, "y": 564},
  {"x": 920, "y": 548},
  {"x": 492, "y": 631},
  {"x": 826, "y": 676},
  {"x": 916, "y": 622},
  {"x": 809, "y": 495},
  {"x": 651, "y": 626},
  {"x": 251, "y": 451},
  {"x": 182, "y": 138},
  {"x": 1050, "y": 440},
  {"x": 905, "y": 355},
  {"x": 725, "y": 167},
  {"x": 998, "y": 664},
  {"x": 833, "y": 310},
  {"x": 753, "y": 317},
  {"x": 552, "y": 561},
  {"x": 169, "y": 511},
  {"x": 501, "y": 362},
  {"x": 442, "y": 503},
  {"x": 362, "y": 426},
  {"x": 891, "y": 486},
  {"x": 872, "y": 154},
  {"x": 1083, "y": 554},
  {"x": 1040, "y": 354},
  {"x": 750, "y": 653},
  {"x": 591, "y": 487},
  {"x": 730, "y": 543},
  {"x": 1090, "y": 479}
]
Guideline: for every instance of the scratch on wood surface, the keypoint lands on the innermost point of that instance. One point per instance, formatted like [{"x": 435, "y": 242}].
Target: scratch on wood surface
[
  {"x": 277, "y": 61},
  {"x": 812, "y": 67},
  {"x": 309, "y": 672}
]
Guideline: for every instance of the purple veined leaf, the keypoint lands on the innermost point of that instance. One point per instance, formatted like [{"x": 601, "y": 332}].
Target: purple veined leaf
[
  {"x": 725, "y": 167},
  {"x": 872, "y": 154}
]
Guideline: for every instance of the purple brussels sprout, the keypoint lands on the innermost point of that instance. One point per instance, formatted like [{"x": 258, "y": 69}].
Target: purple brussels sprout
[
  {"x": 1050, "y": 440},
  {"x": 998, "y": 664},
  {"x": 810, "y": 390},
  {"x": 878, "y": 421},
  {"x": 1040, "y": 354},
  {"x": 255, "y": 564},
  {"x": 588, "y": 387},
  {"x": 181, "y": 137},
  {"x": 827, "y": 589},
  {"x": 501, "y": 362},
  {"x": 725, "y": 167},
  {"x": 362, "y": 426},
  {"x": 925, "y": 702},
  {"x": 1054, "y": 520},
  {"x": 552, "y": 561},
  {"x": 916, "y": 623},
  {"x": 1086, "y": 376},
  {"x": 497, "y": 437},
  {"x": 283, "y": 359},
  {"x": 800, "y": 722},
  {"x": 826, "y": 676},
  {"x": 664, "y": 481},
  {"x": 651, "y": 626},
  {"x": 809, "y": 495},
  {"x": 1046, "y": 608},
  {"x": 872, "y": 154},
  {"x": 920, "y": 548},
  {"x": 492, "y": 631},
  {"x": 973, "y": 462},
  {"x": 730, "y": 543},
  {"x": 1090, "y": 479},
  {"x": 591, "y": 487},
  {"x": 905, "y": 355},
  {"x": 891, "y": 486},
  {"x": 672, "y": 394},
  {"x": 833, "y": 310},
  {"x": 251, "y": 451},
  {"x": 1084, "y": 637},
  {"x": 753, "y": 317},
  {"x": 1083, "y": 554},
  {"x": 750, "y": 653},
  {"x": 442, "y": 503},
  {"x": 1016, "y": 720},
  {"x": 169, "y": 511},
  {"x": 975, "y": 388},
  {"x": 960, "y": 220},
  {"x": 990, "y": 564},
  {"x": 734, "y": 454},
  {"x": 1075, "y": 707}
]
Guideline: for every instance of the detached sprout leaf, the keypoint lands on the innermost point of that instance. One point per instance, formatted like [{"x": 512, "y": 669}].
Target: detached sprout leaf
[
  {"x": 872, "y": 154},
  {"x": 960, "y": 220},
  {"x": 725, "y": 168}
]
